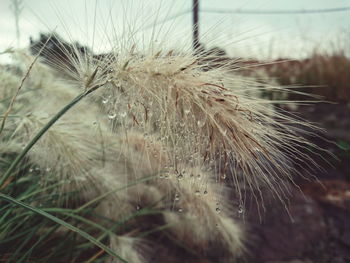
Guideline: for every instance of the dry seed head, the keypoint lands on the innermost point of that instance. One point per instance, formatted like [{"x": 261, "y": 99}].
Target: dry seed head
[
  {"x": 75, "y": 63},
  {"x": 200, "y": 213},
  {"x": 205, "y": 116},
  {"x": 187, "y": 197},
  {"x": 174, "y": 115}
]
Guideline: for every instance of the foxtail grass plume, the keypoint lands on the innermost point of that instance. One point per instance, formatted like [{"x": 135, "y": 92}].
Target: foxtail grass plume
[
  {"x": 165, "y": 130},
  {"x": 205, "y": 118}
]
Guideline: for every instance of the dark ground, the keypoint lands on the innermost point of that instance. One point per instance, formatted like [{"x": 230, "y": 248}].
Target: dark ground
[
  {"x": 318, "y": 227},
  {"x": 314, "y": 226}
]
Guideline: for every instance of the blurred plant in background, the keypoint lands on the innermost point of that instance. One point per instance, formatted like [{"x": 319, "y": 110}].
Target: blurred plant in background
[{"x": 17, "y": 8}]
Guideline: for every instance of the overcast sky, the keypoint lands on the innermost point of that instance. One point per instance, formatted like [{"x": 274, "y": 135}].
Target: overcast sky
[{"x": 262, "y": 36}]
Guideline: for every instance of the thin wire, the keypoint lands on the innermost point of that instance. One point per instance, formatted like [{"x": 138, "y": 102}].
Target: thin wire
[
  {"x": 252, "y": 12},
  {"x": 275, "y": 12}
]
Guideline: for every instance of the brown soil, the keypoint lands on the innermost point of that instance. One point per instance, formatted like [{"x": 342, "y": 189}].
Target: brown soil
[{"x": 317, "y": 228}]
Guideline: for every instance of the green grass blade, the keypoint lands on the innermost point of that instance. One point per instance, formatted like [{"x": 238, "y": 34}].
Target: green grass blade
[{"x": 62, "y": 223}]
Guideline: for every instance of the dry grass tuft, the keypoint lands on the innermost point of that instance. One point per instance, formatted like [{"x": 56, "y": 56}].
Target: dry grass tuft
[
  {"x": 163, "y": 115},
  {"x": 205, "y": 118}
]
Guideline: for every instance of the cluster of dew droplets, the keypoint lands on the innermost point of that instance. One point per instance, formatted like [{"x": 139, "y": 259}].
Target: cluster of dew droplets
[
  {"x": 218, "y": 209},
  {"x": 184, "y": 134},
  {"x": 181, "y": 126},
  {"x": 115, "y": 106},
  {"x": 177, "y": 124}
]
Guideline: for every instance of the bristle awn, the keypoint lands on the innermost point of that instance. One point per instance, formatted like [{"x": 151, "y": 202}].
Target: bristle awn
[{"x": 20, "y": 87}]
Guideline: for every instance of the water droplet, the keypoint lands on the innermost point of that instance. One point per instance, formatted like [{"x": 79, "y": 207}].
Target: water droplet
[
  {"x": 200, "y": 124},
  {"x": 197, "y": 192},
  {"x": 187, "y": 111},
  {"x": 105, "y": 100},
  {"x": 218, "y": 210},
  {"x": 177, "y": 197},
  {"x": 257, "y": 149},
  {"x": 112, "y": 115},
  {"x": 180, "y": 210},
  {"x": 122, "y": 114},
  {"x": 180, "y": 175},
  {"x": 240, "y": 209},
  {"x": 94, "y": 123}
]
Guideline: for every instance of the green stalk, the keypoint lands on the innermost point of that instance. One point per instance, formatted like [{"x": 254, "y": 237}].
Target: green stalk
[
  {"x": 62, "y": 223},
  {"x": 43, "y": 131}
]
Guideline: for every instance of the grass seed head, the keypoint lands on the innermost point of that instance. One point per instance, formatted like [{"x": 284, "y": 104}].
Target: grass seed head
[{"x": 170, "y": 115}]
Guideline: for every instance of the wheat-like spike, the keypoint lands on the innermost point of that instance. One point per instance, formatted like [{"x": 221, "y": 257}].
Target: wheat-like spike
[
  {"x": 199, "y": 215},
  {"x": 193, "y": 204},
  {"x": 205, "y": 116},
  {"x": 173, "y": 116}
]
